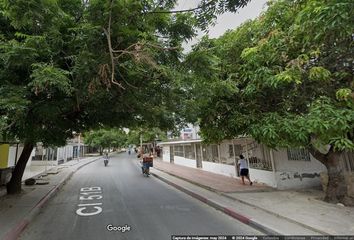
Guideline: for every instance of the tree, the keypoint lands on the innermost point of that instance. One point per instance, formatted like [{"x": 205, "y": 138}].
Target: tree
[
  {"x": 105, "y": 138},
  {"x": 57, "y": 75},
  {"x": 147, "y": 135},
  {"x": 285, "y": 79},
  {"x": 72, "y": 65}
]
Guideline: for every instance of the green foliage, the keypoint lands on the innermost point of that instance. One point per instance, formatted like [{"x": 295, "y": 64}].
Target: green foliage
[
  {"x": 45, "y": 78},
  {"x": 344, "y": 94},
  {"x": 291, "y": 75},
  {"x": 106, "y": 138},
  {"x": 147, "y": 135},
  {"x": 55, "y": 67},
  {"x": 319, "y": 74}
]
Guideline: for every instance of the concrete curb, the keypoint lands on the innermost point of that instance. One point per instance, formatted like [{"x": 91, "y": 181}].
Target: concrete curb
[
  {"x": 254, "y": 223},
  {"x": 275, "y": 214},
  {"x": 15, "y": 232},
  {"x": 220, "y": 207}
]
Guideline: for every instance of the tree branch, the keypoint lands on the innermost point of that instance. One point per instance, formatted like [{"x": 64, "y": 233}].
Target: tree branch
[
  {"x": 108, "y": 34},
  {"x": 318, "y": 155}
]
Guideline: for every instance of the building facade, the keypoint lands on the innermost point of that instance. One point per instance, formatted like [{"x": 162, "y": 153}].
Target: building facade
[{"x": 281, "y": 169}]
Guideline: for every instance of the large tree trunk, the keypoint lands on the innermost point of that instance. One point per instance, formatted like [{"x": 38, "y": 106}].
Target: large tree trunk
[
  {"x": 337, "y": 188},
  {"x": 14, "y": 186}
]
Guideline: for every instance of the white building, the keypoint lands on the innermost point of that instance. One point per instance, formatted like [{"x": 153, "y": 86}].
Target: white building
[{"x": 282, "y": 169}]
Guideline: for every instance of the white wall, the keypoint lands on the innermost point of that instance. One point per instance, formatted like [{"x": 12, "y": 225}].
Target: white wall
[
  {"x": 65, "y": 152},
  {"x": 297, "y": 180},
  {"x": 69, "y": 151},
  {"x": 44, "y": 163},
  {"x": 224, "y": 153},
  {"x": 166, "y": 153},
  {"x": 12, "y": 155},
  {"x": 185, "y": 162},
  {"x": 283, "y": 164},
  {"x": 262, "y": 176},
  {"x": 60, "y": 153},
  {"x": 296, "y": 174},
  {"x": 218, "y": 168}
]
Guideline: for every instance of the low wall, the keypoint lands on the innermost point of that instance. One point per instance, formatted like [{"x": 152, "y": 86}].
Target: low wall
[
  {"x": 218, "y": 168},
  {"x": 297, "y": 180},
  {"x": 44, "y": 163},
  {"x": 263, "y": 176},
  {"x": 185, "y": 162}
]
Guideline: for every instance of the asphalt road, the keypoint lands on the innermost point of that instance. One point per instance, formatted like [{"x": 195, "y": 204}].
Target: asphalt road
[{"x": 118, "y": 197}]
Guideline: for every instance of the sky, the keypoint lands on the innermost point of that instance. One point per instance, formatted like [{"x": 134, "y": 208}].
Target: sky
[{"x": 225, "y": 21}]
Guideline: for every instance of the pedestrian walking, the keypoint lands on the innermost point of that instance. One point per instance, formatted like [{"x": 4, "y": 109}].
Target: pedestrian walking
[{"x": 244, "y": 172}]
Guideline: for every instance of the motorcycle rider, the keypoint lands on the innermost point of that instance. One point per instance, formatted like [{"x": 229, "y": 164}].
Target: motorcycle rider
[{"x": 105, "y": 158}]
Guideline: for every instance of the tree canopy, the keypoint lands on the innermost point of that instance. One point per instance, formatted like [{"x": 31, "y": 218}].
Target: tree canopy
[
  {"x": 106, "y": 138},
  {"x": 148, "y": 135},
  {"x": 285, "y": 78},
  {"x": 73, "y": 65}
]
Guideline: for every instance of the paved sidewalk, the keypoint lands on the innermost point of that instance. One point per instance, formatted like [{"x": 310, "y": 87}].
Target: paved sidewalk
[
  {"x": 274, "y": 212},
  {"x": 16, "y": 211}
]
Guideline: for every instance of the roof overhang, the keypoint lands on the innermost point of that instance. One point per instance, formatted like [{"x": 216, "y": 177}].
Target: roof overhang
[{"x": 180, "y": 142}]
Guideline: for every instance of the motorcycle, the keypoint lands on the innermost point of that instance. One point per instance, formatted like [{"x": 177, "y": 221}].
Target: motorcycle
[
  {"x": 146, "y": 164},
  {"x": 105, "y": 161}
]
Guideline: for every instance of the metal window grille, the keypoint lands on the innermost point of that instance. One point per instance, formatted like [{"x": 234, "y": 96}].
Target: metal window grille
[
  {"x": 189, "y": 152},
  {"x": 298, "y": 154},
  {"x": 238, "y": 149},
  {"x": 231, "y": 151},
  {"x": 178, "y": 151},
  {"x": 210, "y": 153},
  {"x": 215, "y": 153},
  {"x": 260, "y": 158}
]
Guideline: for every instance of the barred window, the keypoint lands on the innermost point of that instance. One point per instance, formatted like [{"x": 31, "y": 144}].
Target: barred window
[
  {"x": 238, "y": 149},
  {"x": 215, "y": 153},
  {"x": 231, "y": 151},
  {"x": 298, "y": 154},
  {"x": 189, "y": 152},
  {"x": 261, "y": 158},
  {"x": 178, "y": 150}
]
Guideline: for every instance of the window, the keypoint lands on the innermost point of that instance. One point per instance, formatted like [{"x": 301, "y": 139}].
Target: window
[
  {"x": 215, "y": 153},
  {"x": 189, "y": 152},
  {"x": 238, "y": 149},
  {"x": 298, "y": 154},
  {"x": 231, "y": 151},
  {"x": 260, "y": 158},
  {"x": 178, "y": 149}
]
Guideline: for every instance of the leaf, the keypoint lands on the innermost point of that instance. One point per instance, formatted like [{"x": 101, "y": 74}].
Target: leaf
[
  {"x": 46, "y": 78},
  {"x": 319, "y": 74}
]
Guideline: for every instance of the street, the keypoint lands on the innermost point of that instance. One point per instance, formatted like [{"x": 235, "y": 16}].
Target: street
[{"x": 117, "y": 202}]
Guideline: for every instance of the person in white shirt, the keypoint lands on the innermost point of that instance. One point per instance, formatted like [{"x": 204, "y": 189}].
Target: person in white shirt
[{"x": 244, "y": 169}]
